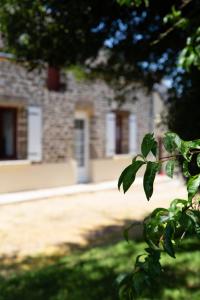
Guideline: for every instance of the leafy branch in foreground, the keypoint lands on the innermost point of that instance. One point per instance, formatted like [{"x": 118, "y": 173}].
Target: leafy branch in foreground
[{"x": 164, "y": 228}]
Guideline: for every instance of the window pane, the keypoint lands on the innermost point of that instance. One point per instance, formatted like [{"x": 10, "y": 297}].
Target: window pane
[
  {"x": 122, "y": 131},
  {"x": 80, "y": 142},
  {"x": 118, "y": 134},
  {"x": 7, "y": 133}
]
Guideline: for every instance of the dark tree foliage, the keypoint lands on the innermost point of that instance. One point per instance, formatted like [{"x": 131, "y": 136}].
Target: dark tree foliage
[
  {"x": 151, "y": 41},
  {"x": 57, "y": 32},
  {"x": 133, "y": 51},
  {"x": 139, "y": 45},
  {"x": 184, "y": 108},
  {"x": 63, "y": 32}
]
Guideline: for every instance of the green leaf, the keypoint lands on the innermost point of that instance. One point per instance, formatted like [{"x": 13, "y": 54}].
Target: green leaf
[
  {"x": 124, "y": 282},
  {"x": 178, "y": 204},
  {"x": 186, "y": 172},
  {"x": 121, "y": 178},
  {"x": 198, "y": 160},
  {"x": 167, "y": 240},
  {"x": 195, "y": 217},
  {"x": 171, "y": 141},
  {"x": 159, "y": 211},
  {"x": 186, "y": 146},
  {"x": 137, "y": 3},
  {"x": 149, "y": 176},
  {"x": 193, "y": 186},
  {"x": 176, "y": 208},
  {"x": 168, "y": 142},
  {"x": 183, "y": 23},
  {"x": 185, "y": 222},
  {"x": 170, "y": 167},
  {"x": 154, "y": 148},
  {"x": 195, "y": 144},
  {"x": 138, "y": 155},
  {"x": 148, "y": 144},
  {"x": 154, "y": 226},
  {"x": 185, "y": 150},
  {"x": 177, "y": 141},
  {"x": 160, "y": 215},
  {"x": 128, "y": 175}
]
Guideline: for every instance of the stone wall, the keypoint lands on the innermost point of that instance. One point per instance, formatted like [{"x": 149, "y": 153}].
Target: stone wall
[
  {"x": 143, "y": 111},
  {"x": 21, "y": 89}
]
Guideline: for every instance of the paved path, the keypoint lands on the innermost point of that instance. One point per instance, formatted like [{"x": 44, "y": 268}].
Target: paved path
[{"x": 48, "y": 224}]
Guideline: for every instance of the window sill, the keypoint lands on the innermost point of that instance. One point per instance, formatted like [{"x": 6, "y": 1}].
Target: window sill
[{"x": 19, "y": 162}]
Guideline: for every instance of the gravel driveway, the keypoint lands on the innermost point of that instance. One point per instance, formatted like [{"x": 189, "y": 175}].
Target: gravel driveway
[{"x": 47, "y": 224}]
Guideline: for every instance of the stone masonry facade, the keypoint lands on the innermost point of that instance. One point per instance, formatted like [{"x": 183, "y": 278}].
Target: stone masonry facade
[{"x": 20, "y": 88}]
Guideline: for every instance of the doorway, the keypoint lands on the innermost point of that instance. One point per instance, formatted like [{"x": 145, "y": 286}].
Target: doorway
[{"x": 82, "y": 146}]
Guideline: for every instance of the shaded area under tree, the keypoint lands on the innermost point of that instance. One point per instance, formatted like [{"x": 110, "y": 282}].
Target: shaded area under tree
[{"x": 90, "y": 272}]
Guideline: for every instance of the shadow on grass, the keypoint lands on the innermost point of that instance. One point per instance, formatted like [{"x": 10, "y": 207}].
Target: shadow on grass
[
  {"x": 81, "y": 281},
  {"x": 101, "y": 236},
  {"x": 90, "y": 273}
]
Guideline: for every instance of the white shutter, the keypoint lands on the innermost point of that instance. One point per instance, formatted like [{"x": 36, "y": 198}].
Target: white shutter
[
  {"x": 110, "y": 134},
  {"x": 34, "y": 133},
  {"x": 132, "y": 134}
]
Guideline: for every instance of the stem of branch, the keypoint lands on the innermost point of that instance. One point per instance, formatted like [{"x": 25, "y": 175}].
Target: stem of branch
[{"x": 165, "y": 158}]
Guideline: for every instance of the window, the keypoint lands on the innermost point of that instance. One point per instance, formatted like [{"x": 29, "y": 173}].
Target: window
[
  {"x": 121, "y": 133},
  {"x": 8, "y": 133}
]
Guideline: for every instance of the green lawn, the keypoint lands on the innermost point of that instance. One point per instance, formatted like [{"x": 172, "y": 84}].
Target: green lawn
[{"x": 90, "y": 275}]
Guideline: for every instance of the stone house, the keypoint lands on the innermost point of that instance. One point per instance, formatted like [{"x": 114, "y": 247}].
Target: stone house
[{"x": 58, "y": 138}]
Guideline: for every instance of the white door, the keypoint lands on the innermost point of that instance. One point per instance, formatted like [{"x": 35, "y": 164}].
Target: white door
[
  {"x": 34, "y": 133},
  {"x": 110, "y": 134},
  {"x": 82, "y": 146}
]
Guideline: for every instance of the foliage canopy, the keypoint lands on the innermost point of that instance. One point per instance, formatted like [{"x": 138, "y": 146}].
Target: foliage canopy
[
  {"x": 184, "y": 16},
  {"x": 62, "y": 33}
]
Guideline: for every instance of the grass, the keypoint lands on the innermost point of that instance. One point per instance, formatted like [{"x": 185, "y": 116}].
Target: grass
[{"x": 91, "y": 275}]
